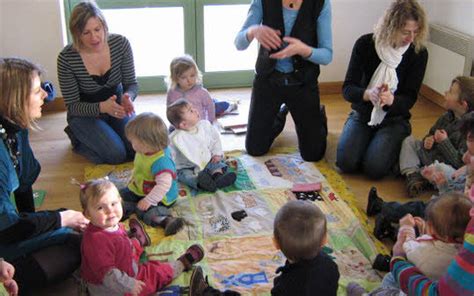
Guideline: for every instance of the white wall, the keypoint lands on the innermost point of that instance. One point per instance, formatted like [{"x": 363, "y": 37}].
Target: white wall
[{"x": 32, "y": 28}]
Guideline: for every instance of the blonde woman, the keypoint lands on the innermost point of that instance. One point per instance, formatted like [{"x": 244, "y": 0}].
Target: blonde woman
[
  {"x": 382, "y": 82},
  {"x": 97, "y": 78}
]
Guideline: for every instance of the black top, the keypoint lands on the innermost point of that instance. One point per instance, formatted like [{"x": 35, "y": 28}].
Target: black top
[
  {"x": 364, "y": 61},
  {"x": 318, "y": 276}
]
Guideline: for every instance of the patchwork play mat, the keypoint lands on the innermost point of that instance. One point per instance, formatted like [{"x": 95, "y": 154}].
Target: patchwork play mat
[{"x": 240, "y": 255}]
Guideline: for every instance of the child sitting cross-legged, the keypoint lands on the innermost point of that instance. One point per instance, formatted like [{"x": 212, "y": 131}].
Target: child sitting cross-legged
[
  {"x": 300, "y": 232},
  {"x": 197, "y": 149},
  {"x": 444, "y": 142},
  {"x": 153, "y": 187},
  {"x": 110, "y": 259}
]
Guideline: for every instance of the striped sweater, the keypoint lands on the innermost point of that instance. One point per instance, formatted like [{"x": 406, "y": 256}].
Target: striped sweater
[
  {"x": 458, "y": 280},
  {"x": 74, "y": 79}
]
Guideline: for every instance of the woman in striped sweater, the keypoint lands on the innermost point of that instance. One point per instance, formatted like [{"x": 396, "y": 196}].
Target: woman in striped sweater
[{"x": 97, "y": 79}]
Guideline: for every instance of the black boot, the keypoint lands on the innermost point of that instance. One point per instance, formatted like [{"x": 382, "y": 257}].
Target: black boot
[
  {"x": 382, "y": 262},
  {"x": 383, "y": 228},
  {"x": 374, "y": 203}
]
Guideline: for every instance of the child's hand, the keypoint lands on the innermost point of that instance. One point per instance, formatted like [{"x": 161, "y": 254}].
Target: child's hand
[
  {"x": 127, "y": 104},
  {"x": 421, "y": 225},
  {"x": 6, "y": 271},
  {"x": 137, "y": 288},
  {"x": 12, "y": 287},
  {"x": 407, "y": 220},
  {"x": 440, "y": 135},
  {"x": 143, "y": 205},
  {"x": 216, "y": 158},
  {"x": 428, "y": 143}
]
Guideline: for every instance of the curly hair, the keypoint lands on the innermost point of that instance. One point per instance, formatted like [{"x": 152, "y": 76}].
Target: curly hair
[{"x": 395, "y": 18}]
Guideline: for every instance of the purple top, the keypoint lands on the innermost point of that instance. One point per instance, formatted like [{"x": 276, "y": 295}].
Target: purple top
[{"x": 198, "y": 96}]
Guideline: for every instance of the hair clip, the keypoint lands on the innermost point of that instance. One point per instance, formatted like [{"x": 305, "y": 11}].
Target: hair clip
[{"x": 82, "y": 186}]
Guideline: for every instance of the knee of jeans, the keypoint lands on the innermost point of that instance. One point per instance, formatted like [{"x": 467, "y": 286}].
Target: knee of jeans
[
  {"x": 115, "y": 156},
  {"x": 376, "y": 169},
  {"x": 346, "y": 163},
  {"x": 256, "y": 150}
]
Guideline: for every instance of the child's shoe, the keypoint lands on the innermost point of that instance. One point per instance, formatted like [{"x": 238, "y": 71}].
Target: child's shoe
[
  {"x": 224, "y": 180},
  {"x": 173, "y": 225},
  {"x": 383, "y": 228},
  {"x": 206, "y": 182},
  {"x": 354, "y": 289},
  {"x": 382, "y": 263},
  {"x": 193, "y": 254},
  {"x": 374, "y": 203},
  {"x": 199, "y": 286},
  {"x": 138, "y": 231},
  {"x": 415, "y": 184}
]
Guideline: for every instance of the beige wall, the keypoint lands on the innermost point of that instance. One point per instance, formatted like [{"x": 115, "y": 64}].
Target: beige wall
[{"x": 32, "y": 28}]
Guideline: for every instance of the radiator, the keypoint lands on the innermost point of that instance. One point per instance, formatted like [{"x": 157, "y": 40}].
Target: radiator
[{"x": 450, "y": 54}]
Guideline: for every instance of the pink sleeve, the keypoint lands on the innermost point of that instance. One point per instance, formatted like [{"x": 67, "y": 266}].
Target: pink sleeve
[
  {"x": 172, "y": 96},
  {"x": 163, "y": 185},
  {"x": 209, "y": 105}
]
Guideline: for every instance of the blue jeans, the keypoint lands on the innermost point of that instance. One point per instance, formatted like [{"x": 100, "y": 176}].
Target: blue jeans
[
  {"x": 374, "y": 149},
  {"x": 101, "y": 139},
  {"x": 189, "y": 177},
  {"x": 153, "y": 216}
]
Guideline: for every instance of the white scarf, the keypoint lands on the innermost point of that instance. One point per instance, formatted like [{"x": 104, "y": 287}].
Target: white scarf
[{"x": 385, "y": 74}]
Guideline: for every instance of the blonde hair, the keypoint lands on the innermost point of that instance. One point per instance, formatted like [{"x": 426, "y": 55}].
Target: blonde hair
[
  {"x": 449, "y": 215},
  {"x": 92, "y": 191},
  {"x": 178, "y": 66},
  {"x": 149, "y": 129},
  {"x": 175, "y": 112},
  {"x": 299, "y": 229},
  {"x": 16, "y": 83},
  {"x": 466, "y": 84},
  {"x": 395, "y": 18},
  {"x": 81, "y": 13}
]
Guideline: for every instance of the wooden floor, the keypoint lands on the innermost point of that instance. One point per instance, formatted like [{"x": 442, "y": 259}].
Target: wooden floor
[{"x": 60, "y": 164}]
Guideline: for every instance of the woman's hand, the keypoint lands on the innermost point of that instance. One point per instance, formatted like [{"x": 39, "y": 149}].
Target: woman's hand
[
  {"x": 143, "y": 205},
  {"x": 111, "y": 107},
  {"x": 440, "y": 135},
  {"x": 386, "y": 96},
  {"x": 428, "y": 142},
  {"x": 294, "y": 47},
  {"x": 372, "y": 95},
  {"x": 73, "y": 219},
  {"x": 127, "y": 104},
  {"x": 269, "y": 38}
]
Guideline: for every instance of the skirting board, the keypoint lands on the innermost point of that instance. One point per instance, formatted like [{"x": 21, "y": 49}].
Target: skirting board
[{"x": 325, "y": 88}]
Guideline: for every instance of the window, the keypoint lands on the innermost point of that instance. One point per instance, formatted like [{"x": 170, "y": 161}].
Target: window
[{"x": 160, "y": 30}]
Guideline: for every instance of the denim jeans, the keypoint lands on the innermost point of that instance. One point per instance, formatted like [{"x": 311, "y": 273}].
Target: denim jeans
[
  {"x": 189, "y": 176},
  {"x": 102, "y": 139},
  {"x": 374, "y": 149},
  {"x": 409, "y": 160},
  {"x": 302, "y": 100},
  {"x": 151, "y": 216}
]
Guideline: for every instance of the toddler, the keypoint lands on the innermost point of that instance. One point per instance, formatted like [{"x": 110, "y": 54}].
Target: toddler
[
  {"x": 300, "y": 233},
  {"x": 110, "y": 259},
  {"x": 444, "y": 142},
  {"x": 197, "y": 149},
  {"x": 185, "y": 81},
  {"x": 153, "y": 187},
  {"x": 442, "y": 236}
]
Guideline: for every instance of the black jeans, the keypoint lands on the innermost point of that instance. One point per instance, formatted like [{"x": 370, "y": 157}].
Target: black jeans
[{"x": 302, "y": 99}]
